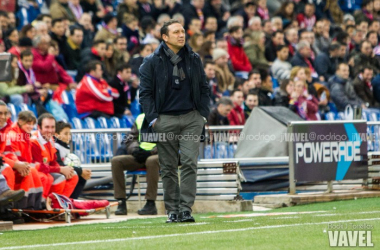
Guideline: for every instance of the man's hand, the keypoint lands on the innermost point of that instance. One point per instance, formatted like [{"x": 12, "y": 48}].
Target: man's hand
[
  {"x": 226, "y": 16},
  {"x": 38, "y": 84},
  {"x": 67, "y": 171},
  {"x": 127, "y": 112},
  {"x": 86, "y": 174},
  {"x": 29, "y": 88},
  {"x": 22, "y": 167},
  {"x": 73, "y": 85}
]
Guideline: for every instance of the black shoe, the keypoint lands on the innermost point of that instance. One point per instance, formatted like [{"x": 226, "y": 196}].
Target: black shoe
[
  {"x": 11, "y": 196},
  {"x": 148, "y": 209},
  {"x": 186, "y": 217},
  {"x": 172, "y": 218},
  {"x": 121, "y": 208}
]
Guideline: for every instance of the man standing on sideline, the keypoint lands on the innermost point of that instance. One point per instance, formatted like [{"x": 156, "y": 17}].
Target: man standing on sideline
[{"x": 174, "y": 95}]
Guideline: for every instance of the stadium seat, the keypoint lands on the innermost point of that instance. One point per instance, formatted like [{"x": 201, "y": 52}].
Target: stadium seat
[
  {"x": 330, "y": 116},
  {"x": 69, "y": 104},
  {"x": 136, "y": 179}
]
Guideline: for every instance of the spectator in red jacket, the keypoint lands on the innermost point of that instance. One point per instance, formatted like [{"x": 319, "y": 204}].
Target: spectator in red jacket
[
  {"x": 236, "y": 116},
  {"x": 239, "y": 59},
  {"x": 45, "y": 67},
  {"x": 307, "y": 19},
  {"x": 94, "y": 97}
]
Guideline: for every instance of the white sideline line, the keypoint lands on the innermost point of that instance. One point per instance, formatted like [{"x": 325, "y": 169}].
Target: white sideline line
[{"x": 175, "y": 235}]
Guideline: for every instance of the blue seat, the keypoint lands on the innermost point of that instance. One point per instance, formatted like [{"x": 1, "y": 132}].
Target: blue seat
[
  {"x": 114, "y": 122},
  {"x": 136, "y": 180},
  {"x": 330, "y": 116},
  {"x": 69, "y": 104}
]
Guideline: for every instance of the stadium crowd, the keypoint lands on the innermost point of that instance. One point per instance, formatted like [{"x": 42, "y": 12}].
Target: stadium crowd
[{"x": 311, "y": 56}]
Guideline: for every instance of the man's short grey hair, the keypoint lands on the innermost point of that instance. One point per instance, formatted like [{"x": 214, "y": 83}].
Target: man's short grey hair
[
  {"x": 254, "y": 19},
  {"x": 163, "y": 18},
  {"x": 225, "y": 101},
  {"x": 151, "y": 41},
  {"x": 179, "y": 17},
  {"x": 37, "y": 40},
  {"x": 234, "y": 21},
  {"x": 302, "y": 44},
  {"x": 276, "y": 18},
  {"x": 38, "y": 25},
  {"x": 2, "y": 103},
  {"x": 289, "y": 31}
]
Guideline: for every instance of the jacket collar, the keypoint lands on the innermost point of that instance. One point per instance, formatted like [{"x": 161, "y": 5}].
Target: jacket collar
[{"x": 161, "y": 47}]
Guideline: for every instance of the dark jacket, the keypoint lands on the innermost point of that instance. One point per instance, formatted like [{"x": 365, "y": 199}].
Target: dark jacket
[
  {"x": 362, "y": 60},
  {"x": 270, "y": 51},
  {"x": 265, "y": 97},
  {"x": 364, "y": 92},
  {"x": 215, "y": 119},
  {"x": 209, "y": 10},
  {"x": 123, "y": 102},
  {"x": 135, "y": 63},
  {"x": 87, "y": 55},
  {"x": 298, "y": 60},
  {"x": 189, "y": 12},
  {"x": 342, "y": 93},
  {"x": 281, "y": 98},
  {"x": 72, "y": 57},
  {"x": 326, "y": 65},
  {"x": 153, "y": 83}
]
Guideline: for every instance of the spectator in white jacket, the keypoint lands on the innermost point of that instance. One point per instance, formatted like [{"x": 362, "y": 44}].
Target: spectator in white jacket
[{"x": 281, "y": 67}]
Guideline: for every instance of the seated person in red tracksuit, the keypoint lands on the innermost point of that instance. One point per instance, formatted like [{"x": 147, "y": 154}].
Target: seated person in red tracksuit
[
  {"x": 54, "y": 178},
  {"x": 62, "y": 139},
  {"x": 94, "y": 97}
]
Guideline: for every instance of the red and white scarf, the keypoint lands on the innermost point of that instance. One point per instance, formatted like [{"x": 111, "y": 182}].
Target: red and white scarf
[{"x": 29, "y": 74}]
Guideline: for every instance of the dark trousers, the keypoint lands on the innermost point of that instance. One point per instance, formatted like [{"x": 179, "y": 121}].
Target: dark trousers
[{"x": 182, "y": 138}]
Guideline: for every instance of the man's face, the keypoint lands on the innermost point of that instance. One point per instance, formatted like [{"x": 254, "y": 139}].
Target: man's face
[
  {"x": 58, "y": 29},
  {"x": 292, "y": 36},
  {"x": 126, "y": 74},
  {"x": 176, "y": 36},
  {"x": 277, "y": 24},
  {"x": 305, "y": 52},
  {"x": 85, "y": 21},
  {"x": 364, "y": 27},
  {"x": 308, "y": 36},
  {"x": 113, "y": 23},
  {"x": 373, "y": 39},
  {"x": 278, "y": 39},
  {"x": 238, "y": 34},
  {"x": 47, "y": 20},
  {"x": 247, "y": 86},
  {"x": 342, "y": 51},
  {"x": 211, "y": 24},
  {"x": 366, "y": 49},
  {"x": 252, "y": 101},
  {"x": 283, "y": 54},
  {"x": 101, "y": 49},
  {"x": 43, "y": 46},
  {"x": 222, "y": 61},
  {"x": 121, "y": 44},
  {"x": 199, "y": 4},
  {"x": 47, "y": 128},
  {"x": 98, "y": 72},
  {"x": 375, "y": 26},
  {"x": 367, "y": 75},
  {"x": 268, "y": 28},
  {"x": 210, "y": 71},
  {"x": 319, "y": 28},
  {"x": 255, "y": 26},
  {"x": 309, "y": 10},
  {"x": 195, "y": 26},
  {"x": 238, "y": 98},
  {"x": 216, "y": 4},
  {"x": 11, "y": 19},
  {"x": 27, "y": 62},
  {"x": 222, "y": 44},
  {"x": 4, "y": 22},
  {"x": 343, "y": 71},
  {"x": 256, "y": 80},
  {"x": 148, "y": 49},
  {"x": 77, "y": 37},
  {"x": 3, "y": 114},
  {"x": 250, "y": 10},
  {"x": 224, "y": 110}
]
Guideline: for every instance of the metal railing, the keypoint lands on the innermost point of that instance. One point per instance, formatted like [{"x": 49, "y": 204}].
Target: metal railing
[{"x": 96, "y": 146}]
